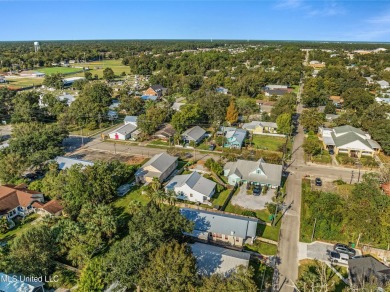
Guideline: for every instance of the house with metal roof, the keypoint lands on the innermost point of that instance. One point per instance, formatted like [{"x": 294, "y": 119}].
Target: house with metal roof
[
  {"x": 367, "y": 269},
  {"x": 149, "y": 97},
  {"x": 383, "y": 84},
  {"x": 67, "y": 162},
  {"x": 160, "y": 165},
  {"x": 195, "y": 134},
  {"x": 221, "y": 228},
  {"x": 275, "y": 86},
  {"x": 258, "y": 127},
  {"x": 211, "y": 259},
  {"x": 131, "y": 120},
  {"x": 192, "y": 187},
  {"x": 222, "y": 90},
  {"x": 124, "y": 132},
  {"x": 177, "y": 105},
  {"x": 349, "y": 140},
  {"x": 277, "y": 91},
  {"x": 254, "y": 172},
  {"x": 234, "y": 138}
]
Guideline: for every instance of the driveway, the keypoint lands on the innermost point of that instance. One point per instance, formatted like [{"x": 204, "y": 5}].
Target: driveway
[
  {"x": 252, "y": 202},
  {"x": 316, "y": 250}
]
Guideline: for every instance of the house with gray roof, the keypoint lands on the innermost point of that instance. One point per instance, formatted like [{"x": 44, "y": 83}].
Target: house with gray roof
[
  {"x": 221, "y": 228},
  {"x": 160, "y": 165},
  {"x": 211, "y": 259},
  {"x": 234, "y": 138},
  {"x": 131, "y": 120},
  {"x": 195, "y": 134},
  {"x": 67, "y": 162},
  {"x": 383, "y": 84},
  {"x": 254, "y": 172},
  {"x": 277, "y": 92},
  {"x": 258, "y": 127},
  {"x": 366, "y": 269},
  {"x": 124, "y": 132},
  {"x": 349, "y": 140},
  {"x": 177, "y": 105},
  {"x": 192, "y": 187}
]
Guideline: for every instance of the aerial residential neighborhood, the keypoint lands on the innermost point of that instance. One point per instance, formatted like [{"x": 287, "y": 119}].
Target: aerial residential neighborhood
[{"x": 230, "y": 152}]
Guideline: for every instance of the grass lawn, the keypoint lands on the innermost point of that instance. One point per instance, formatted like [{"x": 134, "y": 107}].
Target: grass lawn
[
  {"x": 262, "y": 248},
  {"x": 181, "y": 163},
  {"x": 263, "y": 275},
  {"x": 97, "y": 67},
  {"x": 220, "y": 199},
  {"x": 87, "y": 132},
  {"x": 384, "y": 158},
  {"x": 135, "y": 195},
  {"x": 62, "y": 70},
  {"x": 322, "y": 158},
  {"x": 22, "y": 82},
  {"x": 269, "y": 142},
  {"x": 19, "y": 227}
]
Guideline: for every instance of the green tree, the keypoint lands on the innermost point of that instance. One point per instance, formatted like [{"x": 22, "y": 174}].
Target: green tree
[
  {"x": 53, "y": 106},
  {"x": 312, "y": 145},
  {"x": 4, "y": 225},
  {"x": 37, "y": 142},
  {"x": 330, "y": 108},
  {"x": 171, "y": 268},
  {"x": 108, "y": 74},
  {"x": 311, "y": 119},
  {"x": 284, "y": 123},
  {"x": 88, "y": 75},
  {"x": 26, "y": 108},
  {"x": 149, "y": 122},
  {"x": 357, "y": 99},
  {"x": 12, "y": 167},
  {"x": 286, "y": 104},
  {"x": 92, "y": 276},
  {"x": 187, "y": 116},
  {"x": 33, "y": 252},
  {"x": 232, "y": 113},
  {"x": 6, "y": 104},
  {"x": 131, "y": 105},
  {"x": 54, "y": 81}
]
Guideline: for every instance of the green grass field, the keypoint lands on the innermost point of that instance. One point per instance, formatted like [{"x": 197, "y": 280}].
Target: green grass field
[
  {"x": 16, "y": 83},
  {"x": 262, "y": 248},
  {"x": 220, "y": 199},
  {"x": 98, "y": 67},
  {"x": 269, "y": 142},
  {"x": 19, "y": 227},
  {"x": 62, "y": 70}
]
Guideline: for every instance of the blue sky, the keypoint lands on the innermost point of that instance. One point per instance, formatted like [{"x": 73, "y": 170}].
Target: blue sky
[{"x": 329, "y": 20}]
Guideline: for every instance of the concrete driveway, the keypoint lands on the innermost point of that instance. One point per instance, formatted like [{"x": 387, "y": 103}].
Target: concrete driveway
[
  {"x": 252, "y": 202},
  {"x": 316, "y": 250}
]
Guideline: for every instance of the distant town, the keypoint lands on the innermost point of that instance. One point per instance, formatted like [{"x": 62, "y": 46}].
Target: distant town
[{"x": 194, "y": 166}]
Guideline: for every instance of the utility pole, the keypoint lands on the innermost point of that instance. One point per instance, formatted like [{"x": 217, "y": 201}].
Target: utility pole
[
  {"x": 351, "y": 178},
  {"x": 359, "y": 173},
  {"x": 314, "y": 228},
  {"x": 276, "y": 211},
  {"x": 115, "y": 147}
]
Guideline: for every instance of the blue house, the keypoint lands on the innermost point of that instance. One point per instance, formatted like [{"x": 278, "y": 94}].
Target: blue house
[{"x": 234, "y": 138}]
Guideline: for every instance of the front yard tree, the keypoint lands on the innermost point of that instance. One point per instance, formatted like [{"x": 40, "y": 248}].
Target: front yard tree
[
  {"x": 32, "y": 252},
  {"x": 171, "y": 268},
  {"x": 312, "y": 145},
  {"x": 92, "y": 276},
  {"x": 284, "y": 123},
  {"x": 232, "y": 113},
  {"x": 12, "y": 167},
  {"x": 357, "y": 99},
  {"x": 311, "y": 119},
  {"x": 26, "y": 108},
  {"x": 152, "y": 119},
  {"x": 4, "y": 225}
]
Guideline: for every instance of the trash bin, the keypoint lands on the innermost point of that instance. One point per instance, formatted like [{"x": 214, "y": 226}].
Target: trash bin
[{"x": 353, "y": 245}]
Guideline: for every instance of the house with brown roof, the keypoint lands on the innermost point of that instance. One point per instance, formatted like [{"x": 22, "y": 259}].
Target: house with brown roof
[
  {"x": 337, "y": 100},
  {"x": 18, "y": 200},
  {"x": 155, "y": 90}
]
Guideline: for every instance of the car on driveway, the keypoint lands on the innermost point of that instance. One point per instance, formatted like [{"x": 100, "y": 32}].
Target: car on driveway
[
  {"x": 343, "y": 248},
  {"x": 318, "y": 182},
  {"x": 212, "y": 147},
  {"x": 331, "y": 152},
  {"x": 256, "y": 190},
  {"x": 338, "y": 257}
]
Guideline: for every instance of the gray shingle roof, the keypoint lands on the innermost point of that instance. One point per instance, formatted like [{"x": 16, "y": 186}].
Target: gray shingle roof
[
  {"x": 194, "y": 133},
  {"x": 346, "y": 129},
  {"x": 161, "y": 162},
  {"x": 361, "y": 269},
  {"x": 195, "y": 181},
  {"x": 207, "y": 221},
  {"x": 348, "y": 138},
  {"x": 252, "y": 125},
  {"x": 246, "y": 170},
  {"x": 212, "y": 259}
]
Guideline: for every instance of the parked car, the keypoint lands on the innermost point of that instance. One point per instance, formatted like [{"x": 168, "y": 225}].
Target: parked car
[
  {"x": 318, "y": 182},
  {"x": 256, "y": 190},
  {"x": 343, "y": 248},
  {"x": 331, "y": 152},
  {"x": 212, "y": 147},
  {"x": 338, "y": 257}
]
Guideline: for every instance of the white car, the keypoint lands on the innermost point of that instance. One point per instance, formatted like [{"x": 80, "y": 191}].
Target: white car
[{"x": 338, "y": 257}]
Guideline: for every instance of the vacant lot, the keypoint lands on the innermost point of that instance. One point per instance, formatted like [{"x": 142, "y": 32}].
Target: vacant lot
[
  {"x": 19, "y": 82},
  {"x": 269, "y": 142}
]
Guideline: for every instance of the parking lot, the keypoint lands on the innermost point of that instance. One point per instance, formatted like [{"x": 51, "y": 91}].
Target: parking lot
[{"x": 249, "y": 201}]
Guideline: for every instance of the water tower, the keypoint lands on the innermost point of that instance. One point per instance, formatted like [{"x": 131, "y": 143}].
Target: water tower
[{"x": 36, "y": 46}]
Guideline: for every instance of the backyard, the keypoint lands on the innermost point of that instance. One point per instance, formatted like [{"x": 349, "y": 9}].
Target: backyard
[
  {"x": 20, "y": 226},
  {"x": 62, "y": 70},
  {"x": 262, "y": 248}
]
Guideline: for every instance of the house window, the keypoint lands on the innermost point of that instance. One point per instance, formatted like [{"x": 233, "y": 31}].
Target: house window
[{"x": 237, "y": 239}]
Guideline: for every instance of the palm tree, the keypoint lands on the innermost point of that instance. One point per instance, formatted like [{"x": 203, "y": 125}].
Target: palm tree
[{"x": 155, "y": 185}]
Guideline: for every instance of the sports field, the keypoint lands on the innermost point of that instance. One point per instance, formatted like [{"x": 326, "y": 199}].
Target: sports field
[
  {"x": 97, "y": 67},
  {"x": 62, "y": 70}
]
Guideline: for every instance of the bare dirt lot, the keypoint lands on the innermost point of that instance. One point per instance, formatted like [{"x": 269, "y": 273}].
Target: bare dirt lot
[{"x": 93, "y": 155}]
